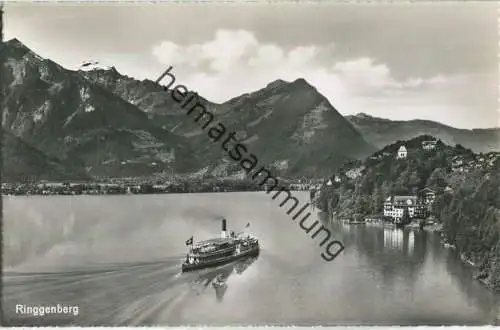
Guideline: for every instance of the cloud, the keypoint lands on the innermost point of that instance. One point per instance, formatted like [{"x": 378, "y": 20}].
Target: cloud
[{"x": 235, "y": 62}]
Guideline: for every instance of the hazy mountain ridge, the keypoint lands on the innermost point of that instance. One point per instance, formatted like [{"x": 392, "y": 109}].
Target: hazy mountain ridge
[{"x": 381, "y": 132}]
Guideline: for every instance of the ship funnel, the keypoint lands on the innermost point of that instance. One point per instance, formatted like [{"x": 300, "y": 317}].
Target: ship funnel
[{"x": 223, "y": 229}]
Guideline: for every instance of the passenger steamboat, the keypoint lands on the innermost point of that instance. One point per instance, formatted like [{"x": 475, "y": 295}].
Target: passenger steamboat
[{"x": 221, "y": 250}]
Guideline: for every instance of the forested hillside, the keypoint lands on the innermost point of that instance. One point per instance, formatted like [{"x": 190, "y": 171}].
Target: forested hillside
[
  {"x": 471, "y": 221},
  {"x": 467, "y": 189}
]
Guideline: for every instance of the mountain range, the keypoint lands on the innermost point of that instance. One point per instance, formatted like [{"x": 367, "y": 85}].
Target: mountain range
[
  {"x": 381, "y": 132},
  {"x": 60, "y": 124}
]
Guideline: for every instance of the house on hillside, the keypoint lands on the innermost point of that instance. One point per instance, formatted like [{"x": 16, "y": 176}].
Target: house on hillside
[
  {"x": 394, "y": 207},
  {"x": 428, "y": 195},
  {"x": 429, "y": 145},
  {"x": 491, "y": 159},
  {"x": 355, "y": 172},
  {"x": 402, "y": 152},
  {"x": 457, "y": 164}
]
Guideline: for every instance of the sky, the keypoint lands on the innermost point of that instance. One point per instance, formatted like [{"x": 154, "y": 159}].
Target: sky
[{"x": 436, "y": 61}]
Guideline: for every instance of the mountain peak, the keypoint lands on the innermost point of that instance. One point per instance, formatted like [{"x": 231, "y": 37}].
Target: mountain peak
[
  {"x": 95, "y": 65},
  {"x": 17, "y": 50},
  {"x": 277, "y": 83},
  {"x": 15, "y": 42},
  {"x": 302, "y": 83},
  {"x": 363, "y": 115}
]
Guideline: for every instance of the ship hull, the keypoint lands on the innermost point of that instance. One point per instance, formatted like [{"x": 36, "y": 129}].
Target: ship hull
[{"x": 251, "y": 252}]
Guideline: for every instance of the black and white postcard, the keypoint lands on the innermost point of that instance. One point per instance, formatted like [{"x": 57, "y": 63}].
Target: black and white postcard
[{"x": 250, "y": 163}]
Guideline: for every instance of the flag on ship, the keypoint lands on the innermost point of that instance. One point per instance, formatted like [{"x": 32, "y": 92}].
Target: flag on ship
[{"x": 190, "y": 241}]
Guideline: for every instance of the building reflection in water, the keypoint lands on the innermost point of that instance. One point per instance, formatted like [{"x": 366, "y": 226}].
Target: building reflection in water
[
  {"x": 217, "y": 277},
  {"x": 411, "y": 242},
  {"x": 393, "y": 238},
  {"x": 400, "y": 240},
  {"x": 395, "y": 253}
]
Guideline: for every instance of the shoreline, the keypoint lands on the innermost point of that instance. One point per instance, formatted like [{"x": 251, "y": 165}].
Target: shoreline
[
  {"x": 127, "y": 187},
  {"x": 140, "y": 194},
  {"x": 137, "y": 190},
  {"x": 482, "y": 277}
]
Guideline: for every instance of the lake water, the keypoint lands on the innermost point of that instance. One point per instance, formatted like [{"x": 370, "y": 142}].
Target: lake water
[{"x": 118, "y": 259}]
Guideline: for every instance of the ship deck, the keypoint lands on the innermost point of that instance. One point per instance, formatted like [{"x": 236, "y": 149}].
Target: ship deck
[{"x": 213, "y": 241}]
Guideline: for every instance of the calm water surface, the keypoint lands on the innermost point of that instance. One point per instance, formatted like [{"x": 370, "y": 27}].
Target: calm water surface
[{"x": 118, "y": 259}]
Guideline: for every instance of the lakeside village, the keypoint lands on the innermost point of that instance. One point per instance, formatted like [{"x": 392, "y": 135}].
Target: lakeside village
[
  {"x": 431, "y": 186},
  {"x": 415, "y": 211},
  {"x": 412, "y": 210},
  {"x": 124, "y": 186}
]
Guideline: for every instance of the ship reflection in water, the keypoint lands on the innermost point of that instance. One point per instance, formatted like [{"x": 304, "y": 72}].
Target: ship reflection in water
[{"x": 218, "y": 277}]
